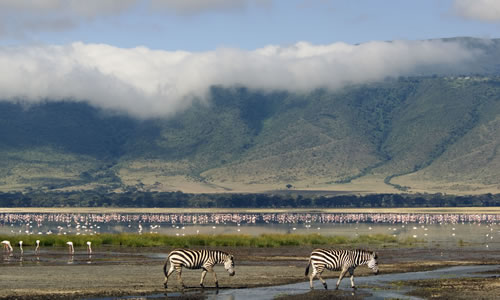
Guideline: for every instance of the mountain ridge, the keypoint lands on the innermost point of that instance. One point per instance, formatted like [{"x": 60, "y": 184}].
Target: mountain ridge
[{"x": 433, "y": 133}]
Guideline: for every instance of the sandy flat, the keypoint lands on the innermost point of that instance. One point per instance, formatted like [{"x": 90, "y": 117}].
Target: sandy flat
[{"x": 130, "y": 272}]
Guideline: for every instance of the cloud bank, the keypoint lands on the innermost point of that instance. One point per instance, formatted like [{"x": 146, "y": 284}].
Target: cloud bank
[
  {"x": 481, "y": 10},
  {"x": 94, "y": 8},
  {"x": 201, "y": 6},
  {"x": 87, "y": 8},
  {"x": 21, "y": 18},
  {"x": 150, "y": 83}
]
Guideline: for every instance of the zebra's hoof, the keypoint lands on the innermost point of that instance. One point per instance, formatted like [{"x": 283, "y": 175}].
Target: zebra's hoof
[
  {"x": 326, "y": 287},
  {"x": 354, "y": 288},
  {"x": 202, "y": 286},
  {"x": 165, "y": 286}
]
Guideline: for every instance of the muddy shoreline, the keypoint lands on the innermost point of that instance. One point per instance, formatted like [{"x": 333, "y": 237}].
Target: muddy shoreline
[
  {"x": 462, "y": 288},
  {"x": 138, "y": 271}
]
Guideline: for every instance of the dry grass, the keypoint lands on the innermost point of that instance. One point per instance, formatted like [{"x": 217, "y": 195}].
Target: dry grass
[
  {"x": 161, "y": 176},
  {"x": 154, "y": 179}
]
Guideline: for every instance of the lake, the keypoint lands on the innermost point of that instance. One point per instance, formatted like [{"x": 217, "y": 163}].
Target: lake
[{"x": 447, "y": 229}]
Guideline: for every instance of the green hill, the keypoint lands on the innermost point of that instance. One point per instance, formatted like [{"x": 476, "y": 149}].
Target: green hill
[{"x": 431, "y": 134}]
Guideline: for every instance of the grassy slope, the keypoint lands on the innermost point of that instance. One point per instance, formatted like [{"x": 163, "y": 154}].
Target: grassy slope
[
  {"x": 469, "y": 158},
  {"x": 426, "y": 133},
  {"x": 42, "y": 166},
  {"x": 309, "y": 140}
]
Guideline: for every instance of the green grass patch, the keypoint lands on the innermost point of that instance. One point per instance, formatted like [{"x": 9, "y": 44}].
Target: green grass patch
[{"x": 226, "y": 240}]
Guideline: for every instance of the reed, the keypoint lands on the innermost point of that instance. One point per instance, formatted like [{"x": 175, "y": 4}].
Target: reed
[{"x": 225, "y": 240}]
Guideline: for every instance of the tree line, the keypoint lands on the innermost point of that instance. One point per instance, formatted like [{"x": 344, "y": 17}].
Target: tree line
[{"x": 279, "y": 200}]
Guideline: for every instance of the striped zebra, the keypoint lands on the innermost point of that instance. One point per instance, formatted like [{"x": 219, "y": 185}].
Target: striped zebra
[
  {"x": 343, "y": 260},
  {"x": 197, "y": 259}
]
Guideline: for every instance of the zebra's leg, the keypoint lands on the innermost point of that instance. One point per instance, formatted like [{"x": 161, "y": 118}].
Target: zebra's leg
[
  {"x": 344, "y": 270},
  {"x": 317, "y": 271},
  {"x": 322, "y": 281},
  {"x": 170, "y": 271},
  {"x": 215, "y": 277},
  {"x": 203, "y": 274},
  {"x": 179, "y": 276},
  {"x": 311, "y": 277},
  {"x": 313, "y": 274},
  {"x": 351, "y": 271}
]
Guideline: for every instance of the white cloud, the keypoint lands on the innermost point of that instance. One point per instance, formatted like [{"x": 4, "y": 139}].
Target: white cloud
[
  {"x": 146, "y": 83},
  {"x": 87, "y": 8},
  {"x": 94, "y": 8},
  {"x": 20, "y": 18},
  {"x": 199, "y": 6},
  {"x": 482, "y": 10}
]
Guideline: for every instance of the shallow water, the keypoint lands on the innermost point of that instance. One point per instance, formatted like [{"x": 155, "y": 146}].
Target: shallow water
[
  {"x": 383, "y": 289},
  {"x": 379, "y": 281},
  {"x": 436, "y": 229}
]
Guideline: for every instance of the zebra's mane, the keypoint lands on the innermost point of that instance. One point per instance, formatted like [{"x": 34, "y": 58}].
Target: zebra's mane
[
  {"x": 365, "y": 251},
  {"x": 222, "y": 253}
]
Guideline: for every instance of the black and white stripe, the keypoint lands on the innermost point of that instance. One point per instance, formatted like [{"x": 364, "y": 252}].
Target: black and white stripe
[
  {"x": 197, "y": 259},
  {"x": 343, "y": 260}
]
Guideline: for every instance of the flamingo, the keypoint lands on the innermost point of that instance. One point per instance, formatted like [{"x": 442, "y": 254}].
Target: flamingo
[
  {"x": 70, "y": 247},
  {"x": 21, "y": 247},
  {"x": 7, "y": 246},
  {"x": 89, "y": 249},
  {"x": 37, "y": 248}
]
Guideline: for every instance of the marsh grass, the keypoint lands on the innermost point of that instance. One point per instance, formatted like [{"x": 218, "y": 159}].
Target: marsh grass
[{"x": 226, "y": 240}]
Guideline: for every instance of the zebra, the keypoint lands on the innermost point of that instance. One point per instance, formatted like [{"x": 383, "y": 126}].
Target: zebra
[
  {"x": 338, "y": 259},
  {"x": 197, "y": 259}
]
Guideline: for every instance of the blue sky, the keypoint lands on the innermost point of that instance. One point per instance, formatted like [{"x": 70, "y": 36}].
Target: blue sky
[
  {"x": 246, "y": 24},
  {"x": 154, "y": 57}
]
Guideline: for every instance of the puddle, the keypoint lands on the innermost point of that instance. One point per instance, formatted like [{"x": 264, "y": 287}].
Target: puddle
[
  {"x": 383, "y": 290},
  {"x": 61, "y": 257}
]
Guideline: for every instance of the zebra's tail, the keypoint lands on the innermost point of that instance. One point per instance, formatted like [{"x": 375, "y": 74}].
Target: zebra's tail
[{"x": 307, "y": 268}]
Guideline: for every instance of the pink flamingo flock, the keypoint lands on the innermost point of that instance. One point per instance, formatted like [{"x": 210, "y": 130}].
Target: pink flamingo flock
[{"x": 89, "y": 223}]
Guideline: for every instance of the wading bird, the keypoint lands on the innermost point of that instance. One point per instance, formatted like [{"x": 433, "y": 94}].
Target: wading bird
[
  {"x": 7, "y": 247},
  {"x": 37, "y": 248},
  {"x": 89, "y": 249},
  {"x": 21, "y": 247},
  {"x": 71, "y": 249}
]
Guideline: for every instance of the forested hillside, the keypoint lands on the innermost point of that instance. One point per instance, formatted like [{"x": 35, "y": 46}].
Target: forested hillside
[{"x": 422, "y": 133}]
